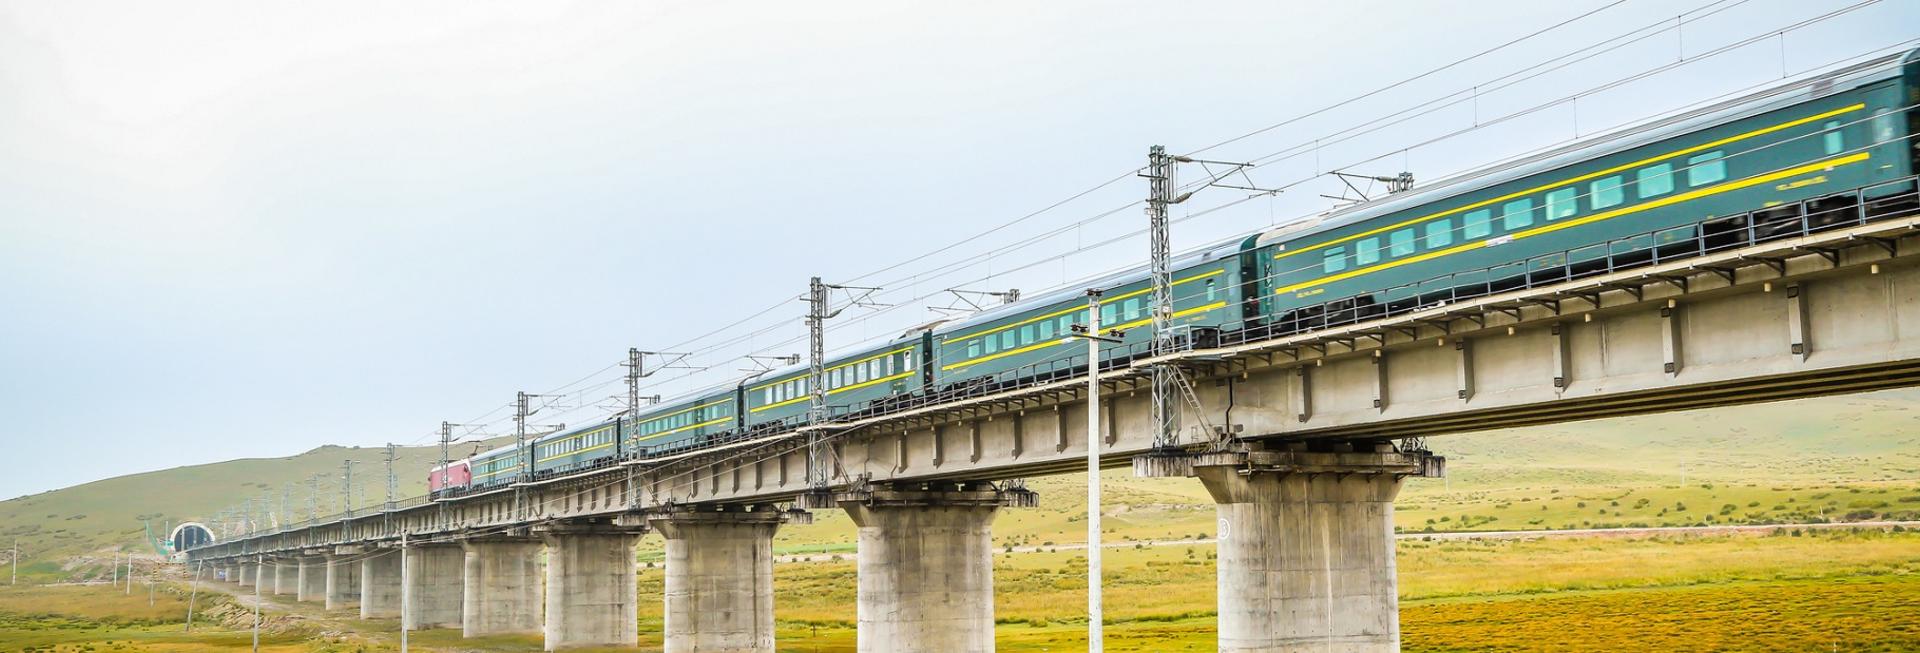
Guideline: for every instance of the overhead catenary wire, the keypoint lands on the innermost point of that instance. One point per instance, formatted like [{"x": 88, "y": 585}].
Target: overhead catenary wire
[
  {"x": 861, "y": 320},
  {"x": 1122, "y": 176}
]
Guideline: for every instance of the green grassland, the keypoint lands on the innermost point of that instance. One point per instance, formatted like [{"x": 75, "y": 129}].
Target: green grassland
[{"x": 1771, "y": 591}]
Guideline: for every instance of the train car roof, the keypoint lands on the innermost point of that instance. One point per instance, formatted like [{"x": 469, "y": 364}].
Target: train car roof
[{"x": 1617, "y": 140}]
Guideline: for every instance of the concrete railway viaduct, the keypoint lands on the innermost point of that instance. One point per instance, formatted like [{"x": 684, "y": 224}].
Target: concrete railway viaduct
[{"x": 1321, "y": 429}]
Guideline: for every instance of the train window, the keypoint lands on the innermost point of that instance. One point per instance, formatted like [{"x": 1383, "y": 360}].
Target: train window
[
  {"x": 1516, "y": 214},
  {"x": 1607, "y": 192},
  {"x": 887, "y": 362},
  {"x": 1399, "y": 243},
  {"x": 1046, "y": 330},
  {"x": 1334, "y": 259},
  {"x": 1026, "y": 335},
  {"x": 1654, "y": 180},
  {"x": 1478, "y": 224},
  {"x": 973, "y": 348},
  {"x": 1366, "y": 251},
  {"x": 993, "y": 343},
  {"x": 1212, "y": 292},
  {"x": 1110, "y": 315},
  {"x": 1562, "y": 203},
  {"x": 1006, "y": 339},
  {"x": 1833, "y": 140},
  {"x": 1066, "y": 323},
  {"x": 1440, "y": 233},
  {"x": 769, "y": 396},
  {"x": 833, "y": 377},
  {"x": 1706, "y": 169},
  {"x": 1133, "y": 308},
  {"x": 906, "y": 361},
  {"x": 860, "y": 373}
]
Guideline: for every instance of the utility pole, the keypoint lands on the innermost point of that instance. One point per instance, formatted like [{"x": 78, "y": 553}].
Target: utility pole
[
  {"x": 313, "y": 497},
  {"x": 116, "y": 569},
  {"x": 16, "y": 562},
  {"x": 346, "y": 486},
  {"x": 1169, "y": 384},
  {"x": 819, "y": 310},
  {"x": 194, "y": 595},
  {"x": 406, "y": 592},
  {"x": 256, "y": 607},
  {"x": 1096, "y": 628},
  {"x": 1166, "y": 414},
  {"x": 393, "y": 482}
]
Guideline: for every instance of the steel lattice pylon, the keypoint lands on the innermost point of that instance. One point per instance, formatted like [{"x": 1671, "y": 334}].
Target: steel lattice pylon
[{"x": 1166, "y": 413}]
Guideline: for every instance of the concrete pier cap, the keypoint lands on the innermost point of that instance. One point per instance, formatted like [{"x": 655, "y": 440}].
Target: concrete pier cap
[{"x": 1306, "y": 558}]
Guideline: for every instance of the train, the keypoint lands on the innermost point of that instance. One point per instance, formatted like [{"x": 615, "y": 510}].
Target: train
[{"x": 1828, "y": 151}]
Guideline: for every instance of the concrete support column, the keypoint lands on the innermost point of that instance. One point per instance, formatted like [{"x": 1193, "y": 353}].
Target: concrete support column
[
  {"x": 591, "y": 596},
  {"x": 437, "y": 573},
  {"x": 248, "y": 573},
  {"x": 380, "y": 584},
  {"x": 343, "y": 577},
  {"x": 313, "y": 579},
  {"x": 1306, "y": 547},
  {"x": 286, "y": 576},
  {"x": 926, "y": 569},
  {"x": 502, "y": 588},
  {"x": 719, "y": 591}
]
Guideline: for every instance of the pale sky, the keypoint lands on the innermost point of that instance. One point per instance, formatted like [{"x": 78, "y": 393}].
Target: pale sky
[{"x": 247, "y": 229}]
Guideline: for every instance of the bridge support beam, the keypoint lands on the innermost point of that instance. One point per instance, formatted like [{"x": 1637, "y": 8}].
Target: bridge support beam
[
  {"x": 380, "y": 585},
  {"x": 719, "y": 591},
  {"x": 313, "y": 579},
  {"x": 437, "y": 576},
  {"x": 1306, "y": 546},
  {"x": 926, "y": 567},
  {"x": 343, "y": 577},
  {"x": 502, "y": 588},
  {"x": 591, "y": 596}
]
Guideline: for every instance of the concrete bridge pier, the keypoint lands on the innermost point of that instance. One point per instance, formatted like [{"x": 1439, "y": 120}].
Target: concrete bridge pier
[
  {"x": 436, "y": 573},
  {"x": 249, "y": 572},
  {"x": 719, "y": 585},
  {"x": 926, "y": 566},
  {"x": 380, "y": 584},
  {"x": 312, "y": 583},
  {"x": 502, "y": 587},
  {"x": 1306, "y": 546},
  {"x": 591, "y": 596},
  {"x": 343, "y": 576},
  {"x": 286, "y": 576}
]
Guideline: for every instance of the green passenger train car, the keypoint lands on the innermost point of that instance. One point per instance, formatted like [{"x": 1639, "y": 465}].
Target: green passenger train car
[
  {"x": 682, "y": 423},
  {"x": 1612, "y": 202},
  {"x": 1035, "y": 338},
  {"x": 857, "y": 382},
  {"x": 583, "y": 448},
  {"x": 496, "y": 468}
]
